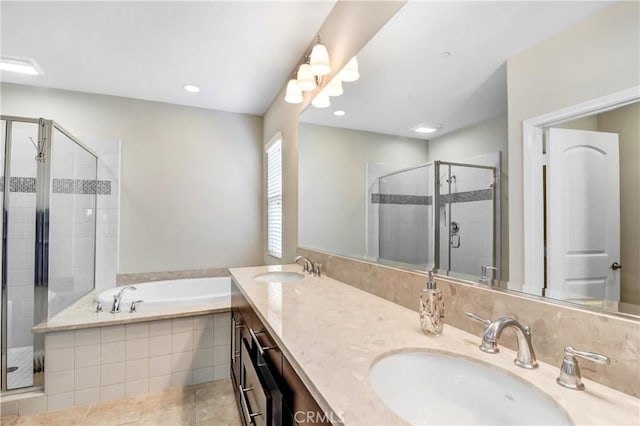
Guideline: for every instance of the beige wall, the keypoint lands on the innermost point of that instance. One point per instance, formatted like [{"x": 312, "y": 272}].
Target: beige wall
[
  {"x": 471, "y": 141},
  {"x": 625, "y": 122},
  {"x": 191, "y": 183},
  {"x": 599, "y": 56},
  {"x": 349, "y": 26},
  {"x": 332, "y": 178}
]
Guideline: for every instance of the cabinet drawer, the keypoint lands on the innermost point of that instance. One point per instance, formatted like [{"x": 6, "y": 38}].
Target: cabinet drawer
[{"x": 271, "y": 353}]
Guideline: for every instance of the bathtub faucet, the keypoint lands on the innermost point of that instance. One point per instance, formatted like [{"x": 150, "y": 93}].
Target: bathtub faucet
[{"x": 117, "y": 298}]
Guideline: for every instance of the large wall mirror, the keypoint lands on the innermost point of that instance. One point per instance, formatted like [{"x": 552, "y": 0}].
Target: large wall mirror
[{"x": 409, "y": 167}]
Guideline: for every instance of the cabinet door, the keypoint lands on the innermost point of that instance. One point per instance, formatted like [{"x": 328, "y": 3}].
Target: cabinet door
[
  {"x": 298, "y": 400},
  {"x": 236, "y": 341}
]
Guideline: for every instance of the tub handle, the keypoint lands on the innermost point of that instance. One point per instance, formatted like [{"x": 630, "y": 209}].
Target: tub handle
[{"x": 133, "y": 305}]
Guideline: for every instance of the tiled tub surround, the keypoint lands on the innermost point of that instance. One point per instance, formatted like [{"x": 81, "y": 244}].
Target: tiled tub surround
[
  {"x": 332, "y": 333},
  {"x": 86, "y": 366},
  {"x": 554, "y": 326},
  {"x": 143, "y": 277}
]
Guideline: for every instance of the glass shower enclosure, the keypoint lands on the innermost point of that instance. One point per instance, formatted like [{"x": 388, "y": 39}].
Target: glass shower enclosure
[
  {"x": 49, "y": 188},
  {"x": 440, "y": 215}
]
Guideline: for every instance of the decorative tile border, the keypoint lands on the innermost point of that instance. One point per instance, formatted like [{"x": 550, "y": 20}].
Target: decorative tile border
[
  {"x": 20, "y": 184},
  {"x": 465, "y": 197},
  {"x": 427, "y": 200},
  {"x": 421, "y": 200},
  {"x": 60, "y": 186}
]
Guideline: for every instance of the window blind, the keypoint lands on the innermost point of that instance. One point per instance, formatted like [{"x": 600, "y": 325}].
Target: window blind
[{"x": 274, "y": 199}]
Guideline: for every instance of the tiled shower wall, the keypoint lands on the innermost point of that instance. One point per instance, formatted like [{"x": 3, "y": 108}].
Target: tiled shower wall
[
  {"x": 398, "y": 215},
  {"x": 107, "y": 363},
  {"x": 108, "y": 209}
]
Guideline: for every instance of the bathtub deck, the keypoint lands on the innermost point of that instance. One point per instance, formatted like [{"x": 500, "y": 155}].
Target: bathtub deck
[{"x": 82, "y": 314}]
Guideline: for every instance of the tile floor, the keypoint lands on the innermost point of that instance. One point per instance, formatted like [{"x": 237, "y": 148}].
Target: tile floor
[{"x": 210, "y": 403}]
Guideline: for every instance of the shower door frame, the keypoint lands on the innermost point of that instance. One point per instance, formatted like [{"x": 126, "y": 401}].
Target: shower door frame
[
  {"x": 497, "y": 235},
  {"x": 41, "y": 255}
]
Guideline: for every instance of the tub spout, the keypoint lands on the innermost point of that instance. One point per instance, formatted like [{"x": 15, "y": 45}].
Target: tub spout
[{"x": 117, "y": 298}]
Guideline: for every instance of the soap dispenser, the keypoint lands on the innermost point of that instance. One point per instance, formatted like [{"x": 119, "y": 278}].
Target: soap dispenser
[{"x": 431, "y": 308}]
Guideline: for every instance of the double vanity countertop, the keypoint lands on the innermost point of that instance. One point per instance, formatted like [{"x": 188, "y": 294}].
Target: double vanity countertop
[{"x": 333, "y": 333}]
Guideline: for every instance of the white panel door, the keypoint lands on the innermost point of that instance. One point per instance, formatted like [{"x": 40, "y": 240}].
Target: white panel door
[{"x": 583, "y": 215}]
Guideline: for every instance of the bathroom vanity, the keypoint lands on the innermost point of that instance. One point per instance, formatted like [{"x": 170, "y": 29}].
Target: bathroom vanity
[
  {"x": 326, "y": 343},
  {"x": 268, "y": 390}
]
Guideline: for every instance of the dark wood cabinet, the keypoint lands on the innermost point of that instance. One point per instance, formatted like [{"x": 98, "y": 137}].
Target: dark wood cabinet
[{"x": 297, "y": 405}]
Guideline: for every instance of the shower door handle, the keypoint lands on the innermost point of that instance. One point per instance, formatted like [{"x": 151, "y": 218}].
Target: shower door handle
[{"x": 615, "y": 266}]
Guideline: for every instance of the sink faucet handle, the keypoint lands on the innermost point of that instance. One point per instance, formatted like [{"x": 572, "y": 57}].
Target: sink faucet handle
[
  {"x": 591, "y": 356},
  {"x": 477, "y": 318},
  {"x": 570, "y": 376}
]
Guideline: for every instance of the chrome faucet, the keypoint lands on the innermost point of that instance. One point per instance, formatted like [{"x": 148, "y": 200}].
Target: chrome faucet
[
  {"x": 309, "y": 265},
  {"x": 570, "y": 376},
  {"x": 484, "y": 270},
  {"x": 117, "y": 298},
  {"x": 526, "y": 357}
]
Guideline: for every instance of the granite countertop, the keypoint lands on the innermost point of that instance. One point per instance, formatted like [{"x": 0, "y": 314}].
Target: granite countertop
[
  {"x": 82, "y": 314},
  {"x": 332, "y": 333}
]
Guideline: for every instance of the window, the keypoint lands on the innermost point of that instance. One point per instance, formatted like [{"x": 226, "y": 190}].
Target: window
[{"x": 274, "y": 198}]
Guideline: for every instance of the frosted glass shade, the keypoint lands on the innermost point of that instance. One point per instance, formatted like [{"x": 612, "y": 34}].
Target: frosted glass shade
[
  {"x": 321, "y": 100},
  {"x": 306, "y": 80},
  {"x": 350, "y": 71},
  {"x": 319, "y": 60},
  {"x": 293, "y": 94},
  {"x": 334, "y": 88}
]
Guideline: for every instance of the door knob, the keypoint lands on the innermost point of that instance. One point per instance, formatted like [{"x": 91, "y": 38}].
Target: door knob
[{"x": 616, "y": 265}]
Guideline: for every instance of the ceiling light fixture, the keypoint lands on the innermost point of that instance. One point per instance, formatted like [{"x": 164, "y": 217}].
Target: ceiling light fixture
[
  {"x": 191, "y": 88},
  {"x": 310, "y": 73},
  {"x": 350, "y": 71},
  {"x": 427, "y": 128},
  {"x": 321, "y": 100},
  {"x": 20, "y": 65},
  {"x": 339, "y": 113},
  {"x": 334, "y": 87},
  {"x": 294, "y": 93}
]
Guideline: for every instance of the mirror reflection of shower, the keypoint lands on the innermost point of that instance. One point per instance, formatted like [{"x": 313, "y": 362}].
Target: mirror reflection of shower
[{"x": 461, "y": 237}]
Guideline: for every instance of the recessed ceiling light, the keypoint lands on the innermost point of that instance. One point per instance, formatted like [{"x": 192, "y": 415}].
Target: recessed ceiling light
[
  {"x": 426, "y": 128},
  {"x": 339, "y": 113},
  {"x": 191, "y": 88},
  {"x": 19, "y": 65}
]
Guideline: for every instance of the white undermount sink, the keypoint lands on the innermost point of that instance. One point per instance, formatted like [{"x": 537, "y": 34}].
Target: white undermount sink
[
  {"x": 279, "y": 276},
  {"x": 439, "y": 388}
]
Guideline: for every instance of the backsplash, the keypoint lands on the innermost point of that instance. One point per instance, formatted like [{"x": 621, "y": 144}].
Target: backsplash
[{"x": 553, "y": 326}]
